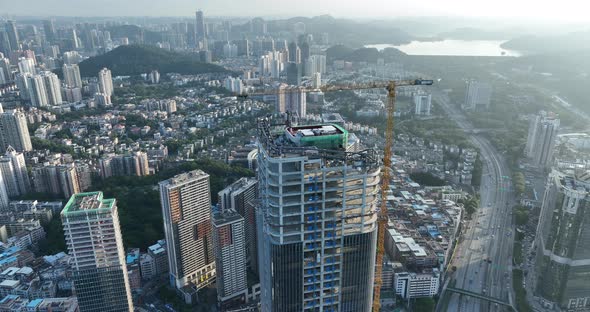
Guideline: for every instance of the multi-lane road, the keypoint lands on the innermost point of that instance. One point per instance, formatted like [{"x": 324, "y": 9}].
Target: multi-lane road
[{"x": 483, "y": 258}]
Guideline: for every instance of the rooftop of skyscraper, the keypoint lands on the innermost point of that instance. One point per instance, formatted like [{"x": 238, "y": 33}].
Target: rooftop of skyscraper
[
  {"x": 228, "y": 216},
  {"x": 85, "y": 202},
  {"x": 322, "y": 140},
  {"x": 183, "y": 177}
]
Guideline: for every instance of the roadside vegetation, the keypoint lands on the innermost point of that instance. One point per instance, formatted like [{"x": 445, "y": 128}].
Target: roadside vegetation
[{"x": 521, "y": 302}]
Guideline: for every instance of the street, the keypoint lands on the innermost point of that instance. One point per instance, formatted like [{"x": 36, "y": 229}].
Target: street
[{"x": 483, "y": 258}]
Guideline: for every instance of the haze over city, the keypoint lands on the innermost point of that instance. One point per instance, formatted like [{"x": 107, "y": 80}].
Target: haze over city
[
  {"x": 546, "y": 11},
  {"x": 298, "y": 156}
]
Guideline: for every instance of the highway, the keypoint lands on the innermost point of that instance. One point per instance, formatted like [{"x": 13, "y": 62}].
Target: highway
[{"x": 483, "y": 257}]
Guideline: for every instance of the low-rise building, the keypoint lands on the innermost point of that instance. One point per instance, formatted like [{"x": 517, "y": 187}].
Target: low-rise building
[{"x": 410, "y": 285}]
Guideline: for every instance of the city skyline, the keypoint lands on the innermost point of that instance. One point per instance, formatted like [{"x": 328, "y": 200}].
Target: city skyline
[
  {"x": 567, "y": 11},
  {"x": 296, "y": 164}
]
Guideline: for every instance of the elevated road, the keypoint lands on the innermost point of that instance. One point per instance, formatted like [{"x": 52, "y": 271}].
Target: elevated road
[
  {"x": 483, "y": 258},
  {"x": 478, "y": 296}
]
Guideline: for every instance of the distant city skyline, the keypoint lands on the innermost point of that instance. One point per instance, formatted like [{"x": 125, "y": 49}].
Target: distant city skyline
[{"x": 567, "y": 10}]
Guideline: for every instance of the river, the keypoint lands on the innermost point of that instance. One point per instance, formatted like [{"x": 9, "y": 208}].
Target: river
[{"x": 451, "y": 47}]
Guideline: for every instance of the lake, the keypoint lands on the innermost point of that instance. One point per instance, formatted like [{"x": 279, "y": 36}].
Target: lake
[{"x": 451, "y": 47}]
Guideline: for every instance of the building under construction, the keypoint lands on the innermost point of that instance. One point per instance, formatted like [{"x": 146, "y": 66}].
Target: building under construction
[{"x": 317, "y": 219}]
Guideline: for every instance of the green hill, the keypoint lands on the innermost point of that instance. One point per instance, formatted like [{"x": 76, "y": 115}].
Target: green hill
[
  {"x": 370, "y": 55},
  {"x": 344, "y": 31},
  {"x": 136, "y": 60},
  {"x": 575, "y": 41}
]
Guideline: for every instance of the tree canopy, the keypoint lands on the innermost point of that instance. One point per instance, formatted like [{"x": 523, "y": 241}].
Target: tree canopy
[{"x": 140, "y": 59}]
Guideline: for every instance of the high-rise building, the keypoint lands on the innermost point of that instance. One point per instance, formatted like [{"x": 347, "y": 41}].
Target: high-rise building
[
  {"x": 5, "y": 47},
  {"x": 243, "y": 47},
  {"x": 563, "y": 241},
  {"x": 233, "y": 85},
  {"x": 62, "y": 180},
  {"x": 186, "y": 206},
  {"x": 134, "y": 164},
  {"x": 296, "y": 102},
  {"x": 72, "y": 76},
  {"x": 74, "y": 39},
  {"x": 423, "y": 103},
  {"x": 543, "y": 129},
  {"x": 201, "y": 29},
  {"x": 316, "y": 80},
  {"x": 316, "y": 220},
  {"x": 5, "y": 71},
  {"x": 12, "y": 35},
  {"x": 52, "y": 87},
  {"x": 36, "y": 89},
  {"x": 26, "y": 65},
  {"x": 241, "y": 196},
  {"x": 14, "y": 173},
  {"x": 95, "y": 245},
  {"x": 14, "y": 131},
  {"x": 68, "y": 179},
  {"x": 71, "y": 57},
  {"x": 49, "y": 29},
  {"x": 105, "y": 83},
  {"x": 291, "y": 99},
  {"x": 478, "y": 96},
  {"x": 230, "y": 258},
  {"x": 230, "y": 50},
  {"x": 294, "y": 53},
  {"x": 4, "y": 200},
  {"x": 294, "y": 73},
  {"x": 315, "y": 64},
  {"x": 73, "y": 95},
  {"x": 305, "y": 53},
  {"x": 154, "y": 77}
]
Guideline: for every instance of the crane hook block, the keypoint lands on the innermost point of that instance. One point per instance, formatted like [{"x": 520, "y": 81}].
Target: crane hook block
[{"x": 423, "y": 82}]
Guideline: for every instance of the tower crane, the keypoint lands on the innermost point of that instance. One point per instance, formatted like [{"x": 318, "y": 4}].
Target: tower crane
[{"x": 390, "y": 86}]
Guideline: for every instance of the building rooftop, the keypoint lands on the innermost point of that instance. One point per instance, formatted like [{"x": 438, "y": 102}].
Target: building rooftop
[
  {"x": 184, "y": 177},
  {"x": 34, "y": 303},
  {"x": 157, "y": 248},
  {"x": 86, "y": 202},
  {"x": 332, "y": 118},
  {"x": 324, "y": 136},
  {"x": 9, "y": 283},
  {"x": 9, "y": 297},
  {"x": 228, "y": 216}
]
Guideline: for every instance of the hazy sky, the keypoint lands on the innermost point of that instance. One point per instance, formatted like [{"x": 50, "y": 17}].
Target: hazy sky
[{"x": 563, "y": 10}]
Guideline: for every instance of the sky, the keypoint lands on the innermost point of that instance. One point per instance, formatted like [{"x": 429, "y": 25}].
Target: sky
[{"x": 563, "y": 10}]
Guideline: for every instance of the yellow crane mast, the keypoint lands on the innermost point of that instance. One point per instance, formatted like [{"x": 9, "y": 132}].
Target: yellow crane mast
[{"x": 390, "y": 86}]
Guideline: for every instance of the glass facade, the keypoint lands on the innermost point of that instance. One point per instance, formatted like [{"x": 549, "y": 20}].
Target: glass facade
[
  {"x": 101, "y": 289},
  {"x": 563, "y": 242},
  {"x": 358, "y": 264},
  {"x": 287, "y": 281},
  {"x": 317, "y": 226}
]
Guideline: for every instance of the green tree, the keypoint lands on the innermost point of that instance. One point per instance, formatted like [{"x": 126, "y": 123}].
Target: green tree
[
  {"x": 521, "y": 215},
  {"x": 424, "y": 305},
  {"x": 427, "y": 179},
  {"x": 519, "y": 183},
  {"x": 138, "y": 199},
  {"x": 55, "y": 241}
]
